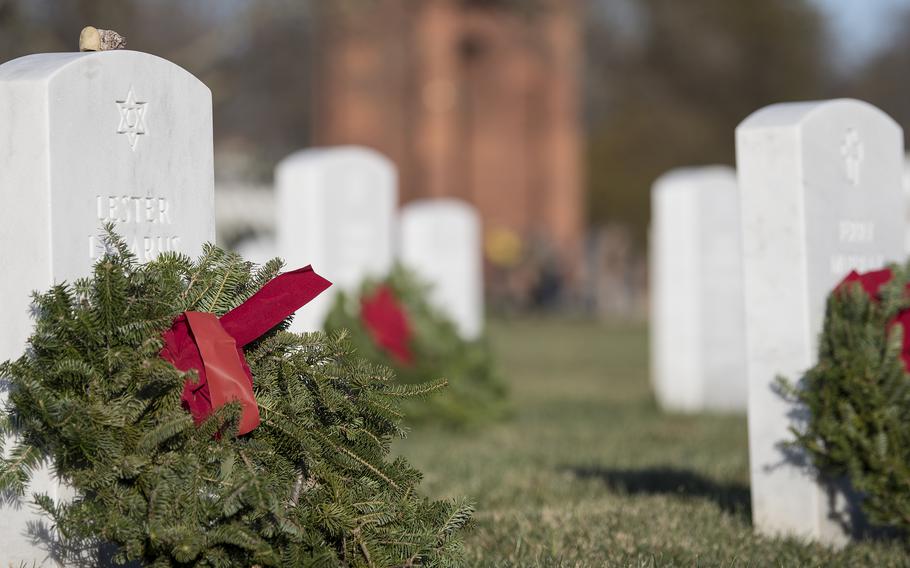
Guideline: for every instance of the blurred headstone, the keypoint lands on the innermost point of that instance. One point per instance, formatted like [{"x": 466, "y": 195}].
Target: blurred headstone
[
  {"x": 336, "y": 211},
  {"x": 258, "y": 248},
  {"x": 697, "y": 322},
  {"x": 89, "y": 138},
  {"x": 440, "y": 240},
  {"x": 243, "y": 211},
  {"x": 821, "y": 195}
]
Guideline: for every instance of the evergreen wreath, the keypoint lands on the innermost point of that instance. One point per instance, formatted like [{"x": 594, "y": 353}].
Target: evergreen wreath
[
  {"x": 433, "y": 348},
  {"x": 312, "y": 485},
  {"x": 858, "y": 394}
]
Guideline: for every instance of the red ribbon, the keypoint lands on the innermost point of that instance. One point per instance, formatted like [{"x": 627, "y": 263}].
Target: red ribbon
[
  {"x": 872, "y": 283},
  {"x": 214, "y": 346},
  {"x": 388, "y": 325}
]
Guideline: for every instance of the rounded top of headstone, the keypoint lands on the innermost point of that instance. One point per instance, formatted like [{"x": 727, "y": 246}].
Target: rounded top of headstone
[
  {"x": 440, "y": 205},
  {"x": 44, "y": 67},
  {"x": 334, "y": 154},
  {"x": 797, "y": 114},
  {"x": 694, "y": 178}
]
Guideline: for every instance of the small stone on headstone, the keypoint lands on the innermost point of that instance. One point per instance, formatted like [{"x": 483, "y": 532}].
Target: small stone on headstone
[{"x": 93, "y": 39}]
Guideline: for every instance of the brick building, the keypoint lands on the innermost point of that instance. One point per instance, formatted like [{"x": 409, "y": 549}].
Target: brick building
[{"x": 476, "y": 99}]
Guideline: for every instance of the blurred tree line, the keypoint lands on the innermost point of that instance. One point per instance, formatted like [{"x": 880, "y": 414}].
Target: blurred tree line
[
  {"x": 668, "y": 84},
  {"x": 666, "y": 81},
  {"x": 884, "y": 81},
  {"x": 669, "y": 81}
]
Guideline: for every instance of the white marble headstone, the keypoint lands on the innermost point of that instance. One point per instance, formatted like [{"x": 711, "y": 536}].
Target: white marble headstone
[
  {"x": 258, "y": 248},
  {"x": 697, "y": 324},
  {"x": 821, "y": 195},
  {"x": 87, "y": 138},
  {"x": 336, "y": 211},
  {"x": 440, "y": 240}
]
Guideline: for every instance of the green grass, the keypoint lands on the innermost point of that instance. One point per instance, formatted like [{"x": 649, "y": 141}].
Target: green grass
[{"x": 588, "y": 472}]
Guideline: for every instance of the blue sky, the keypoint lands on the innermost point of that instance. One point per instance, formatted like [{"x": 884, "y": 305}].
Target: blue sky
[{"x": 861, "y": 27}]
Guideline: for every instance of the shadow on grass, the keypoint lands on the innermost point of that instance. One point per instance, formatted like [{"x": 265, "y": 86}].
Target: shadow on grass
[{"x": 732, "y": 498}]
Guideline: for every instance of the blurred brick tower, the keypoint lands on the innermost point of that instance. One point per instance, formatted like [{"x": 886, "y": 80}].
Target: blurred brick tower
[{"x": 476, "y": 99}]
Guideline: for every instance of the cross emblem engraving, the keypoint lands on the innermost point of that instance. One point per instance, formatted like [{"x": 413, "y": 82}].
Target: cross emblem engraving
[
  {"x": 853, "y": 152},
  {"x": 132, "y": 118}
]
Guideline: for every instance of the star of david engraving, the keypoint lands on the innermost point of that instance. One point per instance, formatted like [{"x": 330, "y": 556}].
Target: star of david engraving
[
  {"x": 854, "y": 152},
  {"x": 132, "y": 118}
]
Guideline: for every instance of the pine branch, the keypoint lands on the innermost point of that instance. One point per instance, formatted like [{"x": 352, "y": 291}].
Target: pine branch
[{"x": 313, "y": 485}]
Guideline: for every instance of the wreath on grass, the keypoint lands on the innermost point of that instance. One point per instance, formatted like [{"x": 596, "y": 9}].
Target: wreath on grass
[
  {"x": 392, "y": 323},
  {"x": 169, "y": 470}
]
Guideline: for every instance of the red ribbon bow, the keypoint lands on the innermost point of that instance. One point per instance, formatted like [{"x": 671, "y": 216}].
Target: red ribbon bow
[
  {"x": 387, "y": 324},
  {"x": 872, "y": 283},
  {"x": 214, "y": 346}
]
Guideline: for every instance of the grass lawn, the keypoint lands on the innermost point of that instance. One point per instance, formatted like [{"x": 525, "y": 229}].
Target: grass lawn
[{"x": 588, "y": 472}]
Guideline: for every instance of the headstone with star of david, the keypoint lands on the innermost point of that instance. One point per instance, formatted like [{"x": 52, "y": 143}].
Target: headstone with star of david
[
  {"x": 820, "y": 196},
  {"x": 85, "y": 139}
]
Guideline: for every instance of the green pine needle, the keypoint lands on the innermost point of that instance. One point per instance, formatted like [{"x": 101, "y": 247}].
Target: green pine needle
[
  {"x": 313, "y": 485},
  {"x": 858, "y": 400}
]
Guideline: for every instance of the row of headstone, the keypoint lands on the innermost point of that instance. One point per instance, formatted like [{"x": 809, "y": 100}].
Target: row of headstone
[
  {"x": 819, "y": 191},
  {"x": 337, "y": 209},
  {"x": 85, "y": 139},
  {"x": 126, "y": 137}
]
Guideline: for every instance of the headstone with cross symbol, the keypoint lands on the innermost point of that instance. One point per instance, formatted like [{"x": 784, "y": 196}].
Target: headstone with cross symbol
[
  {"x": 853, "y": 152},
  {"x": 89, "y": 138},
  {"x": 821, "y": 196}
]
